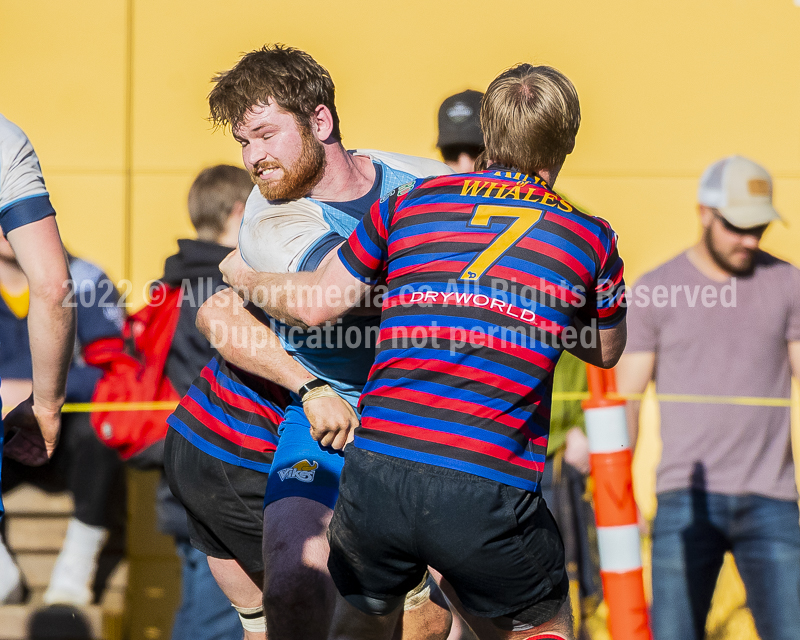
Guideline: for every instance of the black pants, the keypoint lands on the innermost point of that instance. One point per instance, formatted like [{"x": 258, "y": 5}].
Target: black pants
[{"x": 82, "y": 465}]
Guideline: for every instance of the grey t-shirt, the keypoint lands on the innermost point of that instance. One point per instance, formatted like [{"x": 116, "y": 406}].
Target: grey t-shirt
[{"x": 721, "y": 339}]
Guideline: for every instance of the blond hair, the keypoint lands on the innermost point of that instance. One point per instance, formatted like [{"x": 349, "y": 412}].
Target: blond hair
[{"x": 529, "y": 116}]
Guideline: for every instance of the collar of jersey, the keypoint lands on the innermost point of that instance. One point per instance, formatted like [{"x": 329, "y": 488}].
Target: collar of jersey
[{"x": 501, "y": 167}]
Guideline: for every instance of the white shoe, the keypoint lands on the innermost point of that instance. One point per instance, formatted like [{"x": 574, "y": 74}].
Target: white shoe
[
  {"x": 73, "y": 595},
  {"x": 73, "y": 573},
  {"x": 13, "y": 591},
  {"x": 11, "y": 587}
]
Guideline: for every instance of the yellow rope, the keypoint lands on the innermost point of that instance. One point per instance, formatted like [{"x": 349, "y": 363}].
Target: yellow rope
[
  {"x": 678, "y": 397},
  {"x": 97, "y": 407},
  {"x": 698, "y": 399},
  {"x": 169, "y": 405}
]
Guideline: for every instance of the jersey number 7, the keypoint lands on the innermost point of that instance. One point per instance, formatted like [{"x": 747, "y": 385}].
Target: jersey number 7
[{"x": 522, "y": 221}]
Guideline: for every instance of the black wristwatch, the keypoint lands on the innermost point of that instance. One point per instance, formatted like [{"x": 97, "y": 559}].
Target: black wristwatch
[{"x": 308, "y": 386}]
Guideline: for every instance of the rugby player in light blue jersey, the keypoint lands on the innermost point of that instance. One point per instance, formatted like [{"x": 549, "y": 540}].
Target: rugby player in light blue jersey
[
  {"x": 311, "y": 193},
  {"x": 28, "y": 222}
]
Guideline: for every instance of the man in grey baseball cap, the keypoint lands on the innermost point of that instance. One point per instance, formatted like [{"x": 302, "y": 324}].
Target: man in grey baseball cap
[
  {"x": 721, "y": 319},
  {"x": 737, "y": 194},
  {"x": 740, "y": 190}
]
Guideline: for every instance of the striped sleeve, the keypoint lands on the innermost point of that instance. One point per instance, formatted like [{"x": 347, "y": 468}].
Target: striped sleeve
[
  {"x": 605, "y": 303},
  {"x": 366, "y": 250}
]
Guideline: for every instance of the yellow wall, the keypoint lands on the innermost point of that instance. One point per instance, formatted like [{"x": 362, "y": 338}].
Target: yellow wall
[{"x": 112, "y": 92}]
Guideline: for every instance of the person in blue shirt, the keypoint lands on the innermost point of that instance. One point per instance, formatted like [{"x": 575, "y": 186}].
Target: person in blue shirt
[{"x": 99, "y": 495}]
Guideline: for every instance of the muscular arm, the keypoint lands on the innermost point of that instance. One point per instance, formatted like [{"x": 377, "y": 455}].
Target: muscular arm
[
  {"x": 51, "y": 324},
  {"x": 604, "y": 349},
  {"x": 634, "y": 371},
  {"x": 302, "y": 299},
  {"x": 260, "y": 352}
]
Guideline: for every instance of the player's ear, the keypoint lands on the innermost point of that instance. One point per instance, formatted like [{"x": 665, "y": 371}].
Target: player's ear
[{"x": 322, "y": 123}]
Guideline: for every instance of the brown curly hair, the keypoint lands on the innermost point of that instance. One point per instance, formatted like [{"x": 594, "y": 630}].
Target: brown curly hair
[{"x": 292, "y": 78}]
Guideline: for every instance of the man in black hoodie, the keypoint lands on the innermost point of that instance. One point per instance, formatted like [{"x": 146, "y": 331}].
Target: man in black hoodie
[{"x": 216, "y": 206}]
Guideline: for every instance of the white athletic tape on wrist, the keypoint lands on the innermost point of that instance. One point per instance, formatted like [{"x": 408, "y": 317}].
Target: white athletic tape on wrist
[
  {"x": 420, "y": 594},
  {"x": 325, "y": 391},
  {"x": 252, "y": 618}
]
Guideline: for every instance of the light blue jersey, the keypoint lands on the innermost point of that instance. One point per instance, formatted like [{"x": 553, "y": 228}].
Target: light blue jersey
[{"x": 296, "y": 236}]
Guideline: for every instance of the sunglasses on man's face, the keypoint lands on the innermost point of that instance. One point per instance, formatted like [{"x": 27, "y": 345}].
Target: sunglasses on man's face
[{"x": 752, "y": 231}]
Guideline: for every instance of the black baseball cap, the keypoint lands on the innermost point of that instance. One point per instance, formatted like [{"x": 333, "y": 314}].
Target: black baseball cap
[{"x": 459, "y": 120}]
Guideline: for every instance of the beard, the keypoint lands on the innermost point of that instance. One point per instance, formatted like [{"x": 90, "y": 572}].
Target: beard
[
  {"x": 740, "y": 266},
  {"x": 300, "y": 178}
]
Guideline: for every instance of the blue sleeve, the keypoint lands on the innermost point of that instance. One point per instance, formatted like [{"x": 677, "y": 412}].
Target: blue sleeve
[
  {"x": 321, "y": 248},
  {"x": 25, "y": 211}
]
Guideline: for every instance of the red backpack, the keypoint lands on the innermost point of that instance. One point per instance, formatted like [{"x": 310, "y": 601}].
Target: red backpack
[{"x": 139, "y": 376}]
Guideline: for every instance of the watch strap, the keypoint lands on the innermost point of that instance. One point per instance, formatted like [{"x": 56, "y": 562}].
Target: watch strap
[{"x": 308, "y": 386}]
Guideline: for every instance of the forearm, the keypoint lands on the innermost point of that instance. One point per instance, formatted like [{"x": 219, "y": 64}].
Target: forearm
[
  {"x": 304, "y": 299},
  {"x": 266, "y": 358},
  {"x": 283, "y": 296},
  {"x": 51, "y": 322},
  {"x": 599, "y": 347},
  {"x": 633, "y": 373},
  {"x": 255, "y": 348},
  {"x": 51, "y": 327},
  {"x": 632, "y": 410}
]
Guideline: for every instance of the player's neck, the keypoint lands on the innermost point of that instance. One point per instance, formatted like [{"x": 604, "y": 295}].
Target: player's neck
[
  {"x": 550, "y": 174},
  {"x": 347, "y": 177}
]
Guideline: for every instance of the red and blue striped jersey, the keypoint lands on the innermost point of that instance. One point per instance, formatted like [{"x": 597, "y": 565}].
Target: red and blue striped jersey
[
  {"x": 486, "y": 275},
  {"x": 232, "y": 415}
]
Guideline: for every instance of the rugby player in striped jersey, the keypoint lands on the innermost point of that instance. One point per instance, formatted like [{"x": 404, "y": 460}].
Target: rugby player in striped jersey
[{"x": 490, "y": 276}]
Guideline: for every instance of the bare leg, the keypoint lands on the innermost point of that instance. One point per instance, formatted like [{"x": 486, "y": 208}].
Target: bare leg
[
  {"x": 483, "y": 628},
  {"x": 241, "y": 588},
  {"x": 350, "y": 623},
  {"x": 561, "y": 624},
  {"x": 433, "y": 619},
  {"x": 299, "y": 594}
]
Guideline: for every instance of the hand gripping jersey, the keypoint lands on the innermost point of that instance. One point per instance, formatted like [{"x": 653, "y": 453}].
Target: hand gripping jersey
[
  {"x": 486, "y": 273},
  {"x": 287, "y": 237}
]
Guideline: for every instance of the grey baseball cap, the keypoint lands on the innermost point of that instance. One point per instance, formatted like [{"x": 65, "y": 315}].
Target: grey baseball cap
[
  {"x": 740, "y": 190},
  {"x": 459, "y": 120}
]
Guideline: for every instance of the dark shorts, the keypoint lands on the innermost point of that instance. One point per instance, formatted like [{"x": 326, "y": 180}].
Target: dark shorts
[
  {"x": 224, "y": 503},
  {"x": 497, "y": 545}
]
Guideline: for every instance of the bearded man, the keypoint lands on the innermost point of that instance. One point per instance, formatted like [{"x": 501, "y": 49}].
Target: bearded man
[
  {"x": 311, "y": 193},
  {"x": 721, "y": 319}
]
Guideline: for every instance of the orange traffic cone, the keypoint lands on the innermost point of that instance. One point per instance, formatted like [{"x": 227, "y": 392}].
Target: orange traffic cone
[{"x": 615, "y": 509}]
